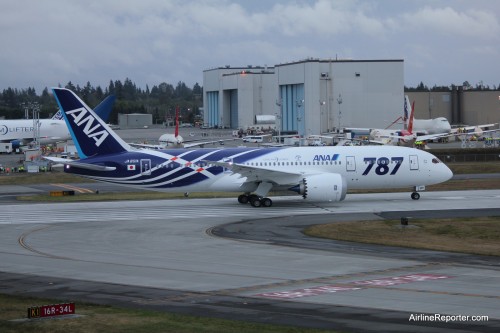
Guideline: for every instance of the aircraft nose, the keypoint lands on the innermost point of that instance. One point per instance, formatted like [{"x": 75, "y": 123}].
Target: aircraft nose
[{"x": 446, "y": 173}]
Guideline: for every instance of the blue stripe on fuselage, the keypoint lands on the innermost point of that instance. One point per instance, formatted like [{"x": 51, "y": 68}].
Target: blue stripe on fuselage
[{"x": 166, "y": 171}]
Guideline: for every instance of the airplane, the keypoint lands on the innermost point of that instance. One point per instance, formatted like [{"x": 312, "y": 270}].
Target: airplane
[
  {"x": 319, "y": 174},
  {"x": 21, "y": 131},
  {"x": 437, "y": 125},
  {"x": 175, "y": 140},
  {"x": 416, "y": 129}
]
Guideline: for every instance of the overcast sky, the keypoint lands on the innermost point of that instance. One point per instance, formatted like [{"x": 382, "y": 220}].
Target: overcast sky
[{"x": 51, "y": 42}]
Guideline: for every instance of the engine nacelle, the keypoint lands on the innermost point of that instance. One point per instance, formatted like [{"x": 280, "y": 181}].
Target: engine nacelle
[{"x": 322, "y": 187}]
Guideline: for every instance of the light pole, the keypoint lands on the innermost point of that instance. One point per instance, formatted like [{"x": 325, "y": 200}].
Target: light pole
[
  {"x": 322, "y": 112},
  {"x": 339, "y": 101},
  {"x": 299, "y": 103},
  {"x": 279, "y": 103}
]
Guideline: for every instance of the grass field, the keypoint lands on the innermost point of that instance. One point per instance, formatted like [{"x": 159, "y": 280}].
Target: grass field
[
  {"x": 480, "y": 235},
  {"x": 109, "y": 319}
]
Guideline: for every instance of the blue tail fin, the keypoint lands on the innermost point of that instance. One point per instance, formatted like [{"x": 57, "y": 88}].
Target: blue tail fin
[
  {"x": 103, "y": 110},
  {"x": 89, "y": 132},
  {"x": 57, "y": 116}
]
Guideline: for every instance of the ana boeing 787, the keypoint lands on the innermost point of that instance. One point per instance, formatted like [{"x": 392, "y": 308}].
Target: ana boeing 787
[{"x": 316, "y": 173}]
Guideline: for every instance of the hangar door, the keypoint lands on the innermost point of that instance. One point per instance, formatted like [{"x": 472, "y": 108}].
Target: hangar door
[
  {"x": 233, "y": 108},
  {"x": 212, "y": 118},
  {"x": 292, "y": 108}
]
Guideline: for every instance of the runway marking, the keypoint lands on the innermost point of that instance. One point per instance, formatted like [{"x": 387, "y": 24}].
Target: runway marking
[
  {"x": 351, "y": 286},
  {"x": 161, "y": 213},
  {"x": 74, "y": 188},
  {"x": 22, "y": 241}
]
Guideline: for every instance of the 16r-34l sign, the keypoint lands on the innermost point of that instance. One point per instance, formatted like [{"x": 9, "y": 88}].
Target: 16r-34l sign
[{"x": 51, "y": 310}]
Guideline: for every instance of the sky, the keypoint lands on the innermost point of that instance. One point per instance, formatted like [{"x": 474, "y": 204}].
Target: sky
[{"x": 52, "y": 42}]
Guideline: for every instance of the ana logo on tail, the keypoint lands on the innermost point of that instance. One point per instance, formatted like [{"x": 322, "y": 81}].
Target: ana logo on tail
[{"x": 82, "y": 116}]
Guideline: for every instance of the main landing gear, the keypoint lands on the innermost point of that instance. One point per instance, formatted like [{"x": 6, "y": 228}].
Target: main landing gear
[
  {"x": 415, "y": 195},
  {"x": 255, "y": 200}
]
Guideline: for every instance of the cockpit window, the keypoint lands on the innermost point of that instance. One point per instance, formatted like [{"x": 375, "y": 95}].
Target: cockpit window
[{"x": 435, "y": 160}]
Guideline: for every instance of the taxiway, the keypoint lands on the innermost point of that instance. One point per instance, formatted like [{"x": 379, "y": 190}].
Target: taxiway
[{"x": 217, "y": 257}]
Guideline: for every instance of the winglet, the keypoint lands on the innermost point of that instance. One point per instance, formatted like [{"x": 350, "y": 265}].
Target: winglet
[{"x": 89, "y": 132}]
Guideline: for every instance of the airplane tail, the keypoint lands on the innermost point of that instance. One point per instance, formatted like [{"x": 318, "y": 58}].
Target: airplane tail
[
  {"x": 103, "y": 110},
  {"x": 409, "y": 118},
  {"x": 176, "y": 122},
  {"x": 58, "y": 116},
  {"x": 89, "y": 132}
]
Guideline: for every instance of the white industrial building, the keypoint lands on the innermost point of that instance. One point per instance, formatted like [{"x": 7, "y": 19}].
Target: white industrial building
[
  {"x": 135, "y": 120},
  {"x": 312, "y": 96}
]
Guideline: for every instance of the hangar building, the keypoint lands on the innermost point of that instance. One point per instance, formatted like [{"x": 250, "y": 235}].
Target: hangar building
[
  {"x": 311, "y": 96},
  {"x": 460, "y": 106}
]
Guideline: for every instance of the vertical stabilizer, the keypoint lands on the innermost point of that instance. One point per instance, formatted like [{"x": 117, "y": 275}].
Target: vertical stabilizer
[
  {"x": 408, "y": 114},
  {"x": 176, "y": 122},
  {"x": 58, "y": 116},
  {"x": 410, "y": 121},
  {"x": 103, "y": 110},
  {"x": 89, "y": 132}
]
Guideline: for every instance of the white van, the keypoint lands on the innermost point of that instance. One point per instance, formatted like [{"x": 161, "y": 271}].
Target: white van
[
  {"x": 254, "y": 138},
  {"x": 6, "y": 147}
]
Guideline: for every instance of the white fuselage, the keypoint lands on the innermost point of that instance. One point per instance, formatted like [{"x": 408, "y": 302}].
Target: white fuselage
[
  {"x": 366, "y": 167},
  {"x": 167, "y": 140},
  {"x": 51, "y": 130},
  {"x": 431, "y": 126}
]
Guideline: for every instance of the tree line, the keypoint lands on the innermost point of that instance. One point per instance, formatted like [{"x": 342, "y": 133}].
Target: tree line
[
  {"x": 159, "y": 100},
  {"x": 465, "y": 86}
]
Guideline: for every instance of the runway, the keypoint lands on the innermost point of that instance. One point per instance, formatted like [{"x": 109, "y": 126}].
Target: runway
[{"x": 216, "y": 257}]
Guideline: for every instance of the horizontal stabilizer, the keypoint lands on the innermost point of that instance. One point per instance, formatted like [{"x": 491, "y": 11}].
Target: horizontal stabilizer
[{"x": 80, "y": 165}]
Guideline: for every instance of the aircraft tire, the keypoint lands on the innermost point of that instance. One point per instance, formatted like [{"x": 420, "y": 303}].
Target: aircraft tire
[
  {"x": 243, "y": 199},
  {"x": 255, "y": 201},
  {"x": 415, "y": 196},
  {"x": 266, "y": 202}
]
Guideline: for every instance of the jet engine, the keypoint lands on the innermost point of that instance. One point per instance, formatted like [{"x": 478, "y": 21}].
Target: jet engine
[{"x": 322, "y": 187}]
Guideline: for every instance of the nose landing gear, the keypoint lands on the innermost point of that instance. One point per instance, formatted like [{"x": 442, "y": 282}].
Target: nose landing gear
[{"x": 415, "y": 195}]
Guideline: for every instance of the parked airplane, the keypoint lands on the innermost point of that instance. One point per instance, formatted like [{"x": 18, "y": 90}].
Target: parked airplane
[
  {"x": 416, "y": 129},
  {"x": 175, "y": 140},
  {"x": 317, "y": 173},
  {"x": 21, "y": 131},
  {"x": 438, "y": 125},
  {"x": 172, "y": 139}
]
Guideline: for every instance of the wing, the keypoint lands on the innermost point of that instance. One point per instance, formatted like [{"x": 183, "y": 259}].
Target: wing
[
  {"x": 143, "y": 145},
  {"x": 431, "y": 136},
  {"x": 259, "y": 174},
  {"x": 193, "y": 143},
  {"x": 462, "y": 129}
]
